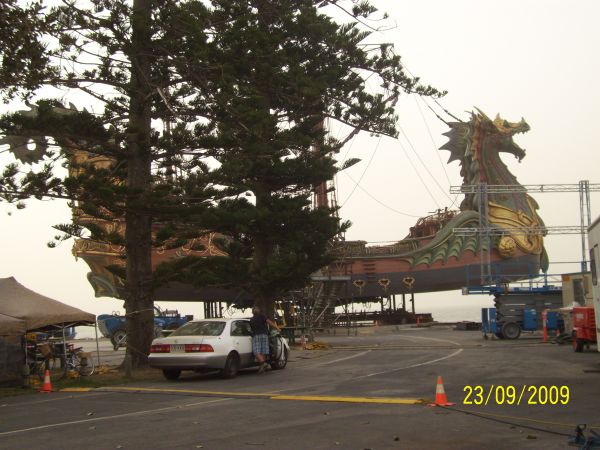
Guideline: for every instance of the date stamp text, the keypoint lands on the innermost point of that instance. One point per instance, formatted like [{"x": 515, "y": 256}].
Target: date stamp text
[{"x": 516, "y": 395}]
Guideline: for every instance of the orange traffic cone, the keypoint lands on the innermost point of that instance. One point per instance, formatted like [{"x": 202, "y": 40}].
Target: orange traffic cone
[
  {"x": 440, "y": 394},
  {"x": 545, "y": 333},
  {"x": 545, "y": 322},
  {"x": 47, "y": 386}
]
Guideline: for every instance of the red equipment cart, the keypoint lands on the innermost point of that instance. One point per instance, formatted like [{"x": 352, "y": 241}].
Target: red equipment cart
[{"x": 584, "y": 327}]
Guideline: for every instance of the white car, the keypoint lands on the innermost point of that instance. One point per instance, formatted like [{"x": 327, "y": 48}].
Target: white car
[{"x": 209, "y": 344}]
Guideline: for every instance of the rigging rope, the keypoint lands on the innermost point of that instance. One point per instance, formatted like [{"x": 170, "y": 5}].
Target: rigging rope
[
  {"x": 364, "y": 171},
  {"x": 424, "y": 165},
  {"x": 435, "y": 147},
  {"x": 404, "y": 66},
  {"x": 418, "y": 174},
  {"x": 379, "y": 201},
  {"x": 446, "y": 111},
  {"x": 357, "y": 183},
  {"x": 436, "y": 114}
]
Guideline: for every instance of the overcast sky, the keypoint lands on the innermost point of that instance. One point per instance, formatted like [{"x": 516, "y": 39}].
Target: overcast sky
[{"x": 533, "y": 59}]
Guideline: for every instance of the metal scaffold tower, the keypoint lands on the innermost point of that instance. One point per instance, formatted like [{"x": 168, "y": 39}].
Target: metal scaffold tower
[
  {"x": 485, "y": 231},
  {"x": 585, "y": 219}
]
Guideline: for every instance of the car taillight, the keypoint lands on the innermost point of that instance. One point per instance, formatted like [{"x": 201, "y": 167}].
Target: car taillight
[
  {"x": 191, "y": 348},
  {"x": 160, "y": 348}
]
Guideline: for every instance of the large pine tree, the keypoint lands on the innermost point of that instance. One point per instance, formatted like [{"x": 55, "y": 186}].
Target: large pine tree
[
  {"x": 276, "y": 70},
  {"x": 117, "y": 58}
]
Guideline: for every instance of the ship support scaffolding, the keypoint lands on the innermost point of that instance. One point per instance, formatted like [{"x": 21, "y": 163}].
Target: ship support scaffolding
[{"x": 522, "y": 308}]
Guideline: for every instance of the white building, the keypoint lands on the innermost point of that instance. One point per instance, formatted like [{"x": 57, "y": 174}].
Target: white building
[{"x": 594, "y": 245}]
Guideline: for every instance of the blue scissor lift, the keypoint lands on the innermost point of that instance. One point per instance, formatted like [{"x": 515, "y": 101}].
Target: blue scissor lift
[{"x": 520, "y": 308}]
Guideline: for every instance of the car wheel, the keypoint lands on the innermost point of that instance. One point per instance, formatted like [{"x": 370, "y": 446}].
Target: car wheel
[
  {"x": 118, "y": 338},
  {"x": 511, "y": 330},
  {"x": 232, "y": 366},
  {"x": 171, "y": 374},
  {"x": 281, "y": 362}
]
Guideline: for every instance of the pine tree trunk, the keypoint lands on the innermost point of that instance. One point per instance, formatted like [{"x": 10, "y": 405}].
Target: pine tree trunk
[
  {"x": 264, "y": 299},
  {"x": 139, "y": 300}
]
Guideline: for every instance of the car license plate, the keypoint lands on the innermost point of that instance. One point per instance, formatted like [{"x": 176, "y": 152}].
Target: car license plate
[{"x": 177, "y": 348}]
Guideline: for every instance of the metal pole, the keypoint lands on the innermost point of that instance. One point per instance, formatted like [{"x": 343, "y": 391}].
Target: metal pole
[
  {"x": 584, "y": 215},
  {"x": 484, "y": 237},
  {"x": 355, "y": 324},
  {"x": 64, "y": 342},
  {"x": 97, "y": 344},
  {"x": 347, "y": 319}
]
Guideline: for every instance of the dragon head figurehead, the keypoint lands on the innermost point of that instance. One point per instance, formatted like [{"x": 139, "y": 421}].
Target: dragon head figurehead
[
  {"x": 503, "y": 130},
  {"x": 468, "y": 140},
  {"x": 477, "y": 145}
]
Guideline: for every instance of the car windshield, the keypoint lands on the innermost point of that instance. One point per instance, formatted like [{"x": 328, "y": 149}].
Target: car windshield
[{"x": 204, "y": 328}]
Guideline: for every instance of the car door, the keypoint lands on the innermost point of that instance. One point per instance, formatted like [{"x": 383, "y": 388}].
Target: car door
[{"x": 241, "y": 337}]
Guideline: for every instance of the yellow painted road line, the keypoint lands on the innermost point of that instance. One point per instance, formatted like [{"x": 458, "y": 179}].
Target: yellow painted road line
[
  {"x": 75, "y": 389},
  {"x": 320, "y": 398},
  {"x": 272, "y": 396}
]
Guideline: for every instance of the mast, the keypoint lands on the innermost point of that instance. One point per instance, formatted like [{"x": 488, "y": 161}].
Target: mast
[
  {"x": 320, "y": 199},
  {"x": 324, "y": 193}
]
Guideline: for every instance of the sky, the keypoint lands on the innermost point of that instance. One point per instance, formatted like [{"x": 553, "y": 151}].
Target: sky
[{"x": 533, "y": 59}]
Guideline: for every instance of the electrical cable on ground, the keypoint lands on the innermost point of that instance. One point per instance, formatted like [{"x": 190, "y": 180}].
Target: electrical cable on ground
[{"x": 500, "y": 419}]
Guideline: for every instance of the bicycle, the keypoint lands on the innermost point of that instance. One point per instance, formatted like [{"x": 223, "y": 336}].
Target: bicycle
[
  {"x": 51, "y": 357},
  {"x": 39, "y": 358},
  {"x": 38, "y": 367},
  {"x": 76, "y": 360}
]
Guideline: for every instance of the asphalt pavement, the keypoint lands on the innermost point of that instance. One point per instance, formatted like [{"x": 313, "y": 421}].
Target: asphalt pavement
[{"x": 368, "y": 391}]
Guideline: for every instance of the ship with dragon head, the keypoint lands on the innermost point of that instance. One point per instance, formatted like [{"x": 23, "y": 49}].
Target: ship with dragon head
[{"x": 432, "y": 256}]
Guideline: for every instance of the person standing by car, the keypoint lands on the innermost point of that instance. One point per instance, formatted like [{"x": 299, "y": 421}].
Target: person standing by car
[{"x": 260, "y": 337}]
